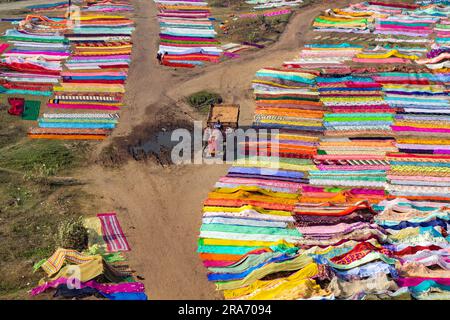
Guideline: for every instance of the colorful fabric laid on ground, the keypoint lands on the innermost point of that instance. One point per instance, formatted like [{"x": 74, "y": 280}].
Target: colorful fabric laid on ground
[
  {"x": 353, "y": 204},
  {"x": 112, "y": 233},
  {"x": 187, "y": 36},
  {"x": 267, "y": 4},
  {"x": 75, "y": 274},
  {"x": 79, "y": 66}
]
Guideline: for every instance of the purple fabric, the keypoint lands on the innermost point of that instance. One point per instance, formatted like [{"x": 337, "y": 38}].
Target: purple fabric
[{"x": 105, "y": 288}]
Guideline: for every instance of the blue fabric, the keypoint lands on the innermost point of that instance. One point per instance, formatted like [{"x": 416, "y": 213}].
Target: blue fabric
[
  {"x": 241, "y": 275},
  {"x": 271, "y": 172},
  {"x": 125, "y": 296}
]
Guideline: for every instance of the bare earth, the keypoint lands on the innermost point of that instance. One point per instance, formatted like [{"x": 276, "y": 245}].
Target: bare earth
[{"x": 160, "y": 208}]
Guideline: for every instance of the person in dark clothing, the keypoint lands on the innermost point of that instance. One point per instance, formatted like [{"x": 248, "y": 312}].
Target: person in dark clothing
[
  {"x": 218, "y": 125},
  {"x": 159, "y": 57}
]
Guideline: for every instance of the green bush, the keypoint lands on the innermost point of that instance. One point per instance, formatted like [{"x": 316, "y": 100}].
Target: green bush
[
  {"x": 202, "y": 99},
  {"x": 72, "y": 234}
]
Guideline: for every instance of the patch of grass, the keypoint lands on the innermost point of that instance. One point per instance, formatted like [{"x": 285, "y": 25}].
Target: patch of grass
[
  {"x": 203, "y": 99},
  {"x": 30, "y": 216},
  {"x": 10, "y": 132},
  {"x": 31, "y": 209},
  {"x": 257, "y": 30},
  {"x": 44, "y": 157},
  {"x": 225, "y": 3}
]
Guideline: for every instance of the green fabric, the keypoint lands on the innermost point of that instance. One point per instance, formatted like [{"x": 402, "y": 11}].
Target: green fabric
[
  {"x": 249, "y": 230},
  {"x": 38, "y": 264},
  {"x": 108, "y": 257},
  {"x": 31, "y": 110},
  {"x": 340, "y": 22},
  {"x": 47, "y": 40}
]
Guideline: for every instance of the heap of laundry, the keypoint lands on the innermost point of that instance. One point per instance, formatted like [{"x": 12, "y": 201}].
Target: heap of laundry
[
  {"x": 99, "y": 271},
  {"x": 187, "y": 36},
  {"x": 354, "y": 202}
]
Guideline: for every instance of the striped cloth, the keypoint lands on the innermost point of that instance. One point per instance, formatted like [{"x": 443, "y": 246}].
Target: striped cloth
[
  {"x": 56, "y": 261},
  {"x": 112, "y": 233}
]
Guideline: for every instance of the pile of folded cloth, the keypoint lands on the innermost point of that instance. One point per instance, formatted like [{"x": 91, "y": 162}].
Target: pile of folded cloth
[
  {"x": 100, "y": 270},
  {"x": 187, "y": 36},
  {"x": 369, "y": 220},
  {"x": 93, "y": 80}
]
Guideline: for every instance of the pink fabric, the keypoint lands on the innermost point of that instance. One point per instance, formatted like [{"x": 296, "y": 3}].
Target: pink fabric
[
  {"x": 105, "y": 288},
  {"x": 412, "y": 282},
  {"x": 406, "y": 128},
  {"x": 386, "y": 60},
  {"x": 351, "y": 168},
  {"x": 275, "y": 183}
]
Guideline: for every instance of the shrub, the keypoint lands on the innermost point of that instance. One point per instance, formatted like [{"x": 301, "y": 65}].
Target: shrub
[
  {"x": 72, "y": 234},
  {"x": 202, "y": 99}
]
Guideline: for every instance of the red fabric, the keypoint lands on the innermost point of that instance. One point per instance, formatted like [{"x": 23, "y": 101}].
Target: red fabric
[
  {"x": 29, "y": 67},
  {"x": 177, "y": 65},
  {"x": 394, "y": 5},
  {"x": 358, "y": 252},
  {"x": 413, "y": 250},
  {"x": 17, "y": 106},
  {"x": 94, "y": 81}
]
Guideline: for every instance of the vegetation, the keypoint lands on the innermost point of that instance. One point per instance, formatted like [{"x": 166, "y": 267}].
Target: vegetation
[
  {"x": 203, "y": 99},
  {"x": 72, "y": 234},
  {"x": 34, "y": 202}
]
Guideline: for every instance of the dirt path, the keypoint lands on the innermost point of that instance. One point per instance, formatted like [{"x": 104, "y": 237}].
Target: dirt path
[{"x": 161, "y": 208}]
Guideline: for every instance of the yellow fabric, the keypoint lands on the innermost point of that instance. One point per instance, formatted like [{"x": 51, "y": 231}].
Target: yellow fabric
[
  {"x": 84, "y": 272},
  {"x": 295, "y": 264},
  {"x": 240, "y": 189},
  {"x": 56, "y": 261},
  {"x": 392, "y": 53},
  {"x": 90, "y": 88},
  {"x": 94, "y": 228},
  {"x": 297, "y": 285},
  {"x": 278, "y": 165},
  {"x": 246, "y": 207},
  {"x": 245, "y": 243}
]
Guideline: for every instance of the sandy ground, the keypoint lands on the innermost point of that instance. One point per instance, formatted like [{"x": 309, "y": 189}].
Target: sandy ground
[{"x": 160, "y": 208}]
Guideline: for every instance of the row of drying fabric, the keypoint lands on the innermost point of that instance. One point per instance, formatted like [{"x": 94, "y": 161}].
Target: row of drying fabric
[
  {"x": 187, "y": 35},
  {"x": 99, "y": 270},
  {"x": 32, "y": 64},
  {"x": 247, "y": 223},
  {"x": 321, "y": 241},
  {"x": 93, "y": 81}
]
